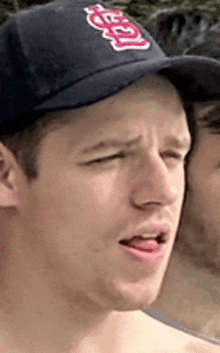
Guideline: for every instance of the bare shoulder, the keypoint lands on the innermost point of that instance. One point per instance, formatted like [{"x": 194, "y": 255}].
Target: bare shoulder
[{"x": 154, "y": 336}]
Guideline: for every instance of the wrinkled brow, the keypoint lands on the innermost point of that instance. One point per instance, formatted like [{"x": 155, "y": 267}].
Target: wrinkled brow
[{"x": 109, "y": 143}]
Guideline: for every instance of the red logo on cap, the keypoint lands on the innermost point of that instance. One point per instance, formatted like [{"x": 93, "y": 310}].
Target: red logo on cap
[{"x": 116, "y": 27}]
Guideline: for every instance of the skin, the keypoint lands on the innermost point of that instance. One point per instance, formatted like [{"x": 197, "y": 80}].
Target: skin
[
  {"x": 66, "y": 280},
  {"x": 194, "y": 300},
  {"x": 200, "y": 231}
]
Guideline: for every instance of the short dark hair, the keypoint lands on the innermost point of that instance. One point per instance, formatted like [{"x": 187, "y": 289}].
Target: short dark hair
[
  {"x": 24, "y": 141},
  {"x": 209, "y": 46}
]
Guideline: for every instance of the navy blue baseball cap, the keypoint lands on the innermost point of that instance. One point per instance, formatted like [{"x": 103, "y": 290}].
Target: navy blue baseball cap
[{"x": 72, "y": 53}]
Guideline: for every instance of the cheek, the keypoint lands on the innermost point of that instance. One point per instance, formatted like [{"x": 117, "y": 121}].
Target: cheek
[
  {"x": 179, "y": 184},
  {"x": 205, "y": 184},
  {"x": 105, "y": 189},
  {"x": 83, "y": 202},
  {"x": 204, "y": 194}
]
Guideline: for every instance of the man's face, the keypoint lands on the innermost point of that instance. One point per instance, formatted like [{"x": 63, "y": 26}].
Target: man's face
[
  {"x": 115, "y": 173},
  {"x": 199, "y": 235}
]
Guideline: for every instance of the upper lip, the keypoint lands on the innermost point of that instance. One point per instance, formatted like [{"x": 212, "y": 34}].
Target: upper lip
[{"x": 160, "y": 232}]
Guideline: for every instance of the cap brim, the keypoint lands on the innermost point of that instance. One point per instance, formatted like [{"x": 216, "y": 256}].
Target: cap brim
[{"x": 197, "y": 78}]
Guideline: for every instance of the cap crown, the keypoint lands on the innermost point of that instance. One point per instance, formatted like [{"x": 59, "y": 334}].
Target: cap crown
[{"x": 46, "y": 49}]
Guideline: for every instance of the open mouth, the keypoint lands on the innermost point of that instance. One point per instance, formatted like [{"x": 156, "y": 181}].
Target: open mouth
[
  {"x": 146, "y": 244},
  {"x": 161, "y": 238},
  {"x": 147, "y": 249}
]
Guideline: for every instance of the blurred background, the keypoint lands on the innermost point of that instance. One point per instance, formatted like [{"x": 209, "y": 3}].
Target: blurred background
[
  {"x": 140, "y": 9},
  {"x": 168, "y": 21}
]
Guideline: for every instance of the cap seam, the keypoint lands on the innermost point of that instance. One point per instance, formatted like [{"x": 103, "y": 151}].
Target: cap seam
[
  {"x": 52, "y": 93},
  {"x": 32, "y": 74}
]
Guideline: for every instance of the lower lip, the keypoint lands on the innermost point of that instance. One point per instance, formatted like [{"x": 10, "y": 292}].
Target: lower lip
[{"x": 154, "y": 257}]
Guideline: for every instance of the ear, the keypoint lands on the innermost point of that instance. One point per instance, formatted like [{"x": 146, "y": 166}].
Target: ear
[{"x": 8, "y": 166}]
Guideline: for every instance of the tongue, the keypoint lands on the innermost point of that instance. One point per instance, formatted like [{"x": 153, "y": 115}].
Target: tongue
[{"x": 148, "y": 245}]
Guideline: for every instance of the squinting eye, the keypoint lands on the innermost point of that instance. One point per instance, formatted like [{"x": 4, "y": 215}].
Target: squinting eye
[
  {"x": 108, "y": 158},
  {"x": 172, "y": 155}
]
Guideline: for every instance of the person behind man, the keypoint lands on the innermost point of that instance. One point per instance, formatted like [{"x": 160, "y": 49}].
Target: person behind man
[
  {"x": 93, "y": 140},
  {"x": 190, "y": 297}
]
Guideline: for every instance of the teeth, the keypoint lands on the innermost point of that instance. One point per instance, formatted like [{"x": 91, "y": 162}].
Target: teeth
[
  {"x": 149, "y": 236},
  {"x": 138, "y": 237},
  {"x": 144, "y": 237},
  {"x": 161, "y": 238}
]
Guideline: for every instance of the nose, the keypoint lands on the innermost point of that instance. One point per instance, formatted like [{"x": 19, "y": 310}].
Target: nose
[{"x": 155, "y": 184}]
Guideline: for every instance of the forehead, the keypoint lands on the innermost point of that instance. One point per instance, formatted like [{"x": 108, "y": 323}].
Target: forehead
[
  {"x": 154, "y": 99},
  {"x": 152, "y": 104},
  {"x": 150, "y": 87}
]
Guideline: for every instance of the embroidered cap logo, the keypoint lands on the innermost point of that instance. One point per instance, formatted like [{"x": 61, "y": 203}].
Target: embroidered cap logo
[{"x": 117, "y": 28}]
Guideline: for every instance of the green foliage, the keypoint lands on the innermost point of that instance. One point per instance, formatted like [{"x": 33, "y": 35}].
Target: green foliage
[
  {"x": 8, "y": 7},
  {"x": 3, "y": 13},
  {"x": 140, "y": 9}
]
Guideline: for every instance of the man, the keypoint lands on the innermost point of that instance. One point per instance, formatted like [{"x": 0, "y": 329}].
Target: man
[
  {"x": 93, "y": 140},
  {"x": 189, "y": 299}
]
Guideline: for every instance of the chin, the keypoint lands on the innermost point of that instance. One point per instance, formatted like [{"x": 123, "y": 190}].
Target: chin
[
  {"x": 136, "y": 299},
  {"x": 135, "y": 304}
]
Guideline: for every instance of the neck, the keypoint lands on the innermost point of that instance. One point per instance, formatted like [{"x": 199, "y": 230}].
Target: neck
[
  {"x": 44, "y": 316},
  {"x": 194, "y": 297},
  {"x": 37, "y": 316}
]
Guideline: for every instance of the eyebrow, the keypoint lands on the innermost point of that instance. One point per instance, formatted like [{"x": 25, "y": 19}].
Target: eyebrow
[
  {"x": 180, "y": 143},
  {"x": 109, "y": 143},
  {"x": 211, "y": 120},
  {"x": 210, "y": 116},
  {"x": 210, "y": 113},
  {"x": 184, "y": 143}
]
